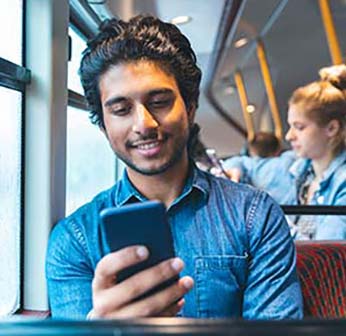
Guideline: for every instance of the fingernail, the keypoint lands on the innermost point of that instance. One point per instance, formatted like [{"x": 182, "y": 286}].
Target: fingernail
[
  {"x": 177, "y": 264},
  {"x": 181, "y": 302},
  {"x": 142, "y": 252},
  {"x": 188, "y": 283}
]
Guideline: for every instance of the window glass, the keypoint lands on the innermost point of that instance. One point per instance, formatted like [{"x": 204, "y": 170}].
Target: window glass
[
  {"x": 78, "y": 45},
  {"x": 90, "y": 160},
  {"x": 11, "y": 12},
  {"x": 10, "y": 196}
]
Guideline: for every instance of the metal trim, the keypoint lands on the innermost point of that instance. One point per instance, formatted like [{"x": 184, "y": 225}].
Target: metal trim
[
  {"x": 77, "y": 100},
  {"x": 83, "y": 17},
  {"x": 13, "y": 76},
  {"x": 314, "y": 209}
]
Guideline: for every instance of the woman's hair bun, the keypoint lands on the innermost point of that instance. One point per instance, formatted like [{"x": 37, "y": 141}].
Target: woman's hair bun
[{"x": 335, "y": 74}]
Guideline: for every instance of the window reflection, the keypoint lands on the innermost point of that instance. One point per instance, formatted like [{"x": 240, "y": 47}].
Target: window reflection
[
  {"x": 78, "y": 45},
  {"x": 10, "y": 196},
  {"x": 11, "y": 30},
  {"x": 90, "y": 160}
]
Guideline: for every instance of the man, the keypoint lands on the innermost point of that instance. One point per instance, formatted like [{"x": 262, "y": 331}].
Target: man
[{"x": 235, "y": 255}]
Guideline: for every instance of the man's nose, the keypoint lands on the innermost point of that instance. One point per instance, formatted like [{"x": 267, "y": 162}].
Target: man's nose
[{"x": 144, "y": 121}]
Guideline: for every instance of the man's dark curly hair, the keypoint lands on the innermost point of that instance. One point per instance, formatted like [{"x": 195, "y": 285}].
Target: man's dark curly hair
[{"x": 142, "y": 38}]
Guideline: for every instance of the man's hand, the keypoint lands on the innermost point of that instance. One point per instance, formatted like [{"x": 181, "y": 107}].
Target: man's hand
[{"x": 112, "y": 300}]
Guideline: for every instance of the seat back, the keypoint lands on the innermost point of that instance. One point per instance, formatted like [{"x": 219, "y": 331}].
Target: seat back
[{"x": 321, "y": 267}]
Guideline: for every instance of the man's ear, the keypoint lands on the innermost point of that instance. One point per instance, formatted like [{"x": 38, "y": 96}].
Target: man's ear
[{"x": 332, "y": 128}]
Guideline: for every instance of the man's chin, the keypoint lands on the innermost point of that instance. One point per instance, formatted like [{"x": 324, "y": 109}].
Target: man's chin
[
  {"x": 156, "y": 166},
  {"x": 151, "y": 170}
]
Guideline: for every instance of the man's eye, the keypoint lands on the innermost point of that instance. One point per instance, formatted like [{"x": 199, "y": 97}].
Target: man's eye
[
  {"x": 160, "y": 103},
  {"x": 121, "y": 111}
]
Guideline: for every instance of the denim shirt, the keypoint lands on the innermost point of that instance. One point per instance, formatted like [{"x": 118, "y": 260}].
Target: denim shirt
[
  {"x": 233, "y": 239},
  {"x": 269, "y": 174},
  {"x": 282, "y": 177}
]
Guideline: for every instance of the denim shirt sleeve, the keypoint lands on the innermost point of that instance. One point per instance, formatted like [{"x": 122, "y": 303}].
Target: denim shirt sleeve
[
  {"x": 244, "y": 163},
  {"x": 69, "y": 272},
  {"x": 253, "y": 168},
  {"x": 273, "y": 290}
]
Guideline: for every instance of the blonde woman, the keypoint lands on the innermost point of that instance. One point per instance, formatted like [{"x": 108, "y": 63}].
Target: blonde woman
[{"x": 314, "y": 172}]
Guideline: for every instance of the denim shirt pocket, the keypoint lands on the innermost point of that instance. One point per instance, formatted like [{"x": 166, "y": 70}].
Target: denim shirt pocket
[{"x": 220, "y": 282}]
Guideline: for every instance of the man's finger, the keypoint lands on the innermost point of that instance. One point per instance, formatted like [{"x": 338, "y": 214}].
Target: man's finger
[
  {"x": 110, "y": 265},
  {"x": 157, "y": 303},
  {"x": 142, "y": 282},
  {"x": 173, "y": 309}
]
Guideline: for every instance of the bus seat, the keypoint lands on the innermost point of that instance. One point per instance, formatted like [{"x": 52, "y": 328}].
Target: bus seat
[{"x": 321, "y": 267}]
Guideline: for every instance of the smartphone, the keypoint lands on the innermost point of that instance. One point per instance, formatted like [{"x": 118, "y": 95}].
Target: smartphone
[
  {"x": 143, "y": 223},
  {"x": 211, "y": 153}
]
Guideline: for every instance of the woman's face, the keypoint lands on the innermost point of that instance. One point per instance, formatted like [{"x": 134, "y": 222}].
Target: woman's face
[{"x": 307, "y": 139}]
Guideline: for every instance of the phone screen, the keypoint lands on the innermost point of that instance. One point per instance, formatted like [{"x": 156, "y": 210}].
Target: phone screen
[{"x": 142, "y": 223}]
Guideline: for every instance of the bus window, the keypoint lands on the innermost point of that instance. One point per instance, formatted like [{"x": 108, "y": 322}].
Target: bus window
[
  {"x": 11, "y": 13},
  {"x": 78, "y": 44},
  {"x": 10, "y": 196},
  {"x": 90, "y": 162},
  {"x": 10, "y": 154}
]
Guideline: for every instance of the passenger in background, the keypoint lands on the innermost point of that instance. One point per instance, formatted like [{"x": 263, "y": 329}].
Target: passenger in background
[
  {"x": 315, "y": 171},
  {"x": 234, "y": 252},
  {"x": 264, "y": 145}
]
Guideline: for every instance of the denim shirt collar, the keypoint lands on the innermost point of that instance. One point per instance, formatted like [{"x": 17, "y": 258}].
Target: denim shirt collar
[
  {"x": 300, "y": 168},
  {"x": 126, "y": 191},
  {"x": 339, "y": 160}
]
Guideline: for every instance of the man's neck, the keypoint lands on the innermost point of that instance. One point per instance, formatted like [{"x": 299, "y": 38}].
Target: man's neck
[{"x": 165, "y": 187}]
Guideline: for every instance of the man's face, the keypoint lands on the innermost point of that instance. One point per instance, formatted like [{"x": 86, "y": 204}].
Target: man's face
[{"x": 145, "y": 118}]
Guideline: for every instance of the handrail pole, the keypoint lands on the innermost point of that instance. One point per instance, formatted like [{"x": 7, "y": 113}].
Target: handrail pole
[
  {"x": 329, "y": 28},
  {"x": 244, "y": 103},
  {"x": 269, "y": 89}
]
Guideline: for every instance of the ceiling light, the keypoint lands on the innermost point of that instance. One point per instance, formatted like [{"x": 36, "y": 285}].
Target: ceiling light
[
  {"x": 241, "y": 42},
  {"x": 229, "y": 90},
  {"x": 250, "y": 108},
  {"x": 181, "y": 19}
]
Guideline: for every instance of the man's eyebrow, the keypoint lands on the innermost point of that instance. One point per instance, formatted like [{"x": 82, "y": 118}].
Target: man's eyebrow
[
  {"x": 160, "y": 91},
  {"x": 114, "y": 100}
]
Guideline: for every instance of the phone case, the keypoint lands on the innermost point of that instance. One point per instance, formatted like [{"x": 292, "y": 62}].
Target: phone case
[{"x": 142, "y": 223}]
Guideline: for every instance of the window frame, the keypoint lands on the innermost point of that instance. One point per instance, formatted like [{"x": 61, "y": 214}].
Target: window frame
[
  {"x": 45, "y": 102},
  {"x": 14, "y": 76}
]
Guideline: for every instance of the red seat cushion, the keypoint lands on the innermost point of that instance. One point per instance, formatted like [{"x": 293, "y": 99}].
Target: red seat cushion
[{"x": 322, "y": 272}]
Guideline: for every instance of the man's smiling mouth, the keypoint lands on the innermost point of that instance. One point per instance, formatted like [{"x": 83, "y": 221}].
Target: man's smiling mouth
[{"x": 147, "y": 146}]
